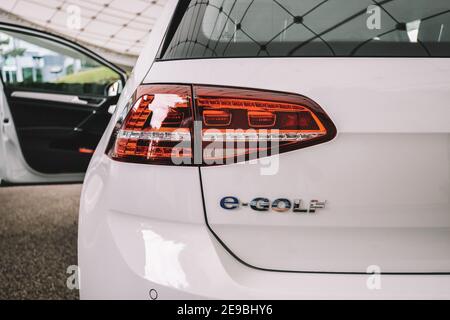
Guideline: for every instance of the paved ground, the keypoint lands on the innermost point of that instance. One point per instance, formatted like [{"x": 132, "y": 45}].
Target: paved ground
[{"x": 38, "y": 241}]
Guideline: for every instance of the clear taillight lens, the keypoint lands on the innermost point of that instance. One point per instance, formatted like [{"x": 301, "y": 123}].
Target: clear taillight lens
[{"x": 231, "y": 125}]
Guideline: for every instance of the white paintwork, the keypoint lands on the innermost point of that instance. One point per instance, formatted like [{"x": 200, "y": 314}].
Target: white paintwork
[
  {"x": 124, "y": 256},
  {"x": 386, "y": 177},
  {"x": 387, "y": 204}
]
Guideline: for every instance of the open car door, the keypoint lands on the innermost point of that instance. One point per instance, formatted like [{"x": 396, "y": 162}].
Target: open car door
[{"x": 54, "y": 101}]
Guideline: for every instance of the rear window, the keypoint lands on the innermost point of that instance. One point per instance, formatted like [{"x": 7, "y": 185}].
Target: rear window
[{"x": 302, "y": 28}]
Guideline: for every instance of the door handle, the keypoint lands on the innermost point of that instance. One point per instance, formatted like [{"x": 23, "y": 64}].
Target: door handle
[{"x": 77, "y": 100}]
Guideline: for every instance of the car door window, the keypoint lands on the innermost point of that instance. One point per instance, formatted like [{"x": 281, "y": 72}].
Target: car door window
[{"x": 32, "y": 63}]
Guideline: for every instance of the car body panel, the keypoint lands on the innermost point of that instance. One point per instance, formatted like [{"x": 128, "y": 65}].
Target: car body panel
[
  {"x": 386, "y": 183},
  {"x": 386, "y": 177},
  {"x": 185, "y": 261}
]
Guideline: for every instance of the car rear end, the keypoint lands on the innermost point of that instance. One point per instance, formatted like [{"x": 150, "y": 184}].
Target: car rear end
[{"x": 277, "y": 150}]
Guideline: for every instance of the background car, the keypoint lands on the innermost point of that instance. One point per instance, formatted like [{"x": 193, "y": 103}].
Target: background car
[{"x": 339, "y": 168}]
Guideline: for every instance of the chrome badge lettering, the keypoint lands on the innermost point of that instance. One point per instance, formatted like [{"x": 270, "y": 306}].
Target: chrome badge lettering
[{"x": 279, "y": 205}]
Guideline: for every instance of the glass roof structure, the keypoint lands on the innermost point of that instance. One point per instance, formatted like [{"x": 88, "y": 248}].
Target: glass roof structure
[{"x": 118, "y": 26}]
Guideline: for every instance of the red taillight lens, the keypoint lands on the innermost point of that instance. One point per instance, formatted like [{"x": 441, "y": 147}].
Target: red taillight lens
[
  {"x": 157, "y": 127},
  {"x": 258, "y": 123},
  {"x": 231, "y": 124}
]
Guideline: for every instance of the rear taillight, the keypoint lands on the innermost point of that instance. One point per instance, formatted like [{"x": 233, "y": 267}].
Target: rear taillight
[
  {"x": 206, "y": 125},
  {"x": 156, "y": 126}
]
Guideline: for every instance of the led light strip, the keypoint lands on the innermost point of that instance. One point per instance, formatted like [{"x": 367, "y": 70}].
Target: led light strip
[
  {"x": 254, "y": 136},
  {"x": 155, "y": 135}
]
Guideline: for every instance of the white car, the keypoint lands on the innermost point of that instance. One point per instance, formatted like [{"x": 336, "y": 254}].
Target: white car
[{"x": 277, "y": 150}]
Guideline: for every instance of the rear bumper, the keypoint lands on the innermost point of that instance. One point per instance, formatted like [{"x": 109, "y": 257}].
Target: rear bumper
[{"x": 127, "y": 256}]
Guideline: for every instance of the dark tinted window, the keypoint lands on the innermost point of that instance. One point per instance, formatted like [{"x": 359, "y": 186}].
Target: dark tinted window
[{"x": 250, "y": 28}]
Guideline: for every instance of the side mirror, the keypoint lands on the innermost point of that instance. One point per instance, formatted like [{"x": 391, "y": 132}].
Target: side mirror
[{"x": 114, "y": 88}]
